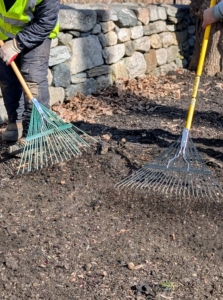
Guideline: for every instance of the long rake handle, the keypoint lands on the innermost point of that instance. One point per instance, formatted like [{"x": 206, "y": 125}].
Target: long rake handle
[
  {"x": 198, "y": 73},
  {"x": 20, "y": 78}
]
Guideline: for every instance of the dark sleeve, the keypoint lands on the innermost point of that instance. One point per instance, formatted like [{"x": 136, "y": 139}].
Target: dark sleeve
[
  {"x": 45, "y": 19},
  {"x": 218, "y": 11}
]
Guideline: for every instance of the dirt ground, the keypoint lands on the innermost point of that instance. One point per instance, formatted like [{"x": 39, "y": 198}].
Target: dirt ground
[{"x": 67, "y": 233}]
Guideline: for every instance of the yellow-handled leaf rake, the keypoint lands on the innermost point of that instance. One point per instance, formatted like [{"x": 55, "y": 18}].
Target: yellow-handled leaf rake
[{"x": 180, "y": 168}]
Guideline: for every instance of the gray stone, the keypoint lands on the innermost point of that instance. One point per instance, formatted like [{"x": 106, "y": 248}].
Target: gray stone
[
  {"x": 118, "y": 70},
  {"x": 142, "y": 44},
  {"x": 114, "y": 53},
  {"x": 191, "y": 41},
  {"x": 98, "y": 71},
  {"x": 54, "y": 43},
  {"x": 49, "y": 77},
  {"x": 129, "y": 48},
  {"x": 75, "y": 33},
  {"x": 58, "y": 55},
  {"x": 178, "y": 11},
  {"x": 136, "y": 65},
  {"x": 155, "y": 27},
  {"x": 161, "y": 56},
  {"x": 191, "y": 29},
  {"x": 56, "y": 94},
  {"x": 126, "y": 18},
  {"x": 86, "y": 54},
  {"x": 85, "y": 34},
  {"x": 112, "y": 38},
  {"x": 181, "y": 36},
  {"x": 185, "y": 48},
  {"x": 167, "y": 38},
  {"x": 161, "y": 12},
  {"x": 179, "y": 63},
  {"x": 143, "y": 15},
  {"x": 96, "y": 29},
  {"x": 103, "y": 40},
  {"x": 174, "y": 20},
  {"x": 136, "y": 32},
  {"x": 123, "y": 34},
  {"x": 155, "y": 41},
  {"x": 155, "y": 72},
  {"x": 78, "y": 78},
  {"x": 151, "y": 61},
  {"x": 172, "y": 53},
  {"x": 164, "y": 69},
  {"x": 3, "y": 113},
  {"x": 80, "y": 20},
  {"x": 105, "y": 15},
  {"x": 171, "y": 27},
  {"x": 61, "y": 75},
  {"x": 86, "y": 88},
  {"x": 107, "y": 26},
  {"x": 104, "y": 81},
  {"x": 64, "y": 38},
  {"x": 153, "y": 13}
]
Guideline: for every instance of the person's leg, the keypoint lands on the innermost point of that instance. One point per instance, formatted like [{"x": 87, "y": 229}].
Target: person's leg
[
  {"x": 13, "y": 101},
  {"x": 34, "y": 68}
]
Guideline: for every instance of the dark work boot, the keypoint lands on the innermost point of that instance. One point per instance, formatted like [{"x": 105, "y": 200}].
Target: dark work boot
[
  {"x": 13, "y": 132},
  {"x": 18, "y": 147}
]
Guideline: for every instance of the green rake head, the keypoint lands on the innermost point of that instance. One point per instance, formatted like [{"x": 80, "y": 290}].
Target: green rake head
[
  {"x": 179, "y": 171},
  {"x": 50, "y": 140}
]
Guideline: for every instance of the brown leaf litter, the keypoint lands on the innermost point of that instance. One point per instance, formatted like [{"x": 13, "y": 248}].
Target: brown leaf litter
[{"x": 121, "y": 97}]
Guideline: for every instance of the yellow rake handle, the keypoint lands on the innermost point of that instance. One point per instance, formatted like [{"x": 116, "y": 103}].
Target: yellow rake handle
[
  {"x": 198, "y": 73},
  {"x": 20, "y": 78}
]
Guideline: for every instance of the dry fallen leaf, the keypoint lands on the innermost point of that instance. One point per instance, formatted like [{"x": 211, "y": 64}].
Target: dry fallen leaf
[{"x": 123, "y": 96}]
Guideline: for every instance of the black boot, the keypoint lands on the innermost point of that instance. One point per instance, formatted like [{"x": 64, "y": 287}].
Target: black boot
[{"x": 18, "y": 147}]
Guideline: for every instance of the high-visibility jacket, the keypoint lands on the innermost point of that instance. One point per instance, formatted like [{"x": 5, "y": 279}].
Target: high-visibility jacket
[{"x": 17, "y": 17}]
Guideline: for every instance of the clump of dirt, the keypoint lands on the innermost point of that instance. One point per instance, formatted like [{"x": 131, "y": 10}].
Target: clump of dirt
[{"x": 68, "y": 233}]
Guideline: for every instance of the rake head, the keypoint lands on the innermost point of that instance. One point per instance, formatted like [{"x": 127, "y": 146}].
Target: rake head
[
  {"x": 50, "y": 140},
  {"x": 179, "y": 171}
]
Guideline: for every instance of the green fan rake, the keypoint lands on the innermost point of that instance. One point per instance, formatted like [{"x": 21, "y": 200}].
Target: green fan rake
[
  {"x": 179, "y": 169},
  {"x": 49, "y": 140}
]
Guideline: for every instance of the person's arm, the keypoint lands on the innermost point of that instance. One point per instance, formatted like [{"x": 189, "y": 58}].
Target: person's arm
[
  {"x": 45, "y": 19},
  {"x": 213, "y": 14},
  {"x": 218, "y": 11}
]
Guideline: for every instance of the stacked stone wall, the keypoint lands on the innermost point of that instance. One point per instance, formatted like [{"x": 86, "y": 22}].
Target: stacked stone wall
[{"x": 98, "y": 44}]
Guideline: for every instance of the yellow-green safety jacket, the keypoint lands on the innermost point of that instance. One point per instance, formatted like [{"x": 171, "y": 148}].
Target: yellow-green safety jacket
[{"x": 17, "y": 17}]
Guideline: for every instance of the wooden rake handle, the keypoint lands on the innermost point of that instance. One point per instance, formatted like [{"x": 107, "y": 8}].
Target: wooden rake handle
[{"x": 20, "y": 77}]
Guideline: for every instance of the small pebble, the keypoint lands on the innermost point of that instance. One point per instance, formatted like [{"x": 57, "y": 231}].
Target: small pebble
[{"x": 131, "y": 266}]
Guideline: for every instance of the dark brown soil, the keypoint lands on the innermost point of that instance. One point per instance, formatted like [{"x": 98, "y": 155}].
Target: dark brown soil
[{"x": 67, "y": 233}]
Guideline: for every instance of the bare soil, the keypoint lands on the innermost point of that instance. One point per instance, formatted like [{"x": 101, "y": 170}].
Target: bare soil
[{"x": 67, "y": 233}]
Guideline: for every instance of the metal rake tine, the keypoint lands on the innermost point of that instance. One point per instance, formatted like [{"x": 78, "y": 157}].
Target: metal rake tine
[
  {"x": 73, "y": 148},
  {"x": 159, "y": 183},
  {"x": 150, "y": 179},
  {"x": 165, "y": 188},
  {"x": 210, "y": 193},
  {"x": 192, "y": 186},
  {"x": 138, "y": 176},
  {"x": 206, "y": 188},
  {"x": 155, "y": 180},
  {"x": 141, "y": 177},
  {"x": 175, "y": 179},
  {"x": 125, "y": 181},
  {"x": 186, "y": 186}
]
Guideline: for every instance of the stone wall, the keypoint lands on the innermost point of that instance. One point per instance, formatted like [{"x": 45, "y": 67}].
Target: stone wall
[
  {"x": 99, "y": 44},
  {"x": 146, "y": 2}
]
